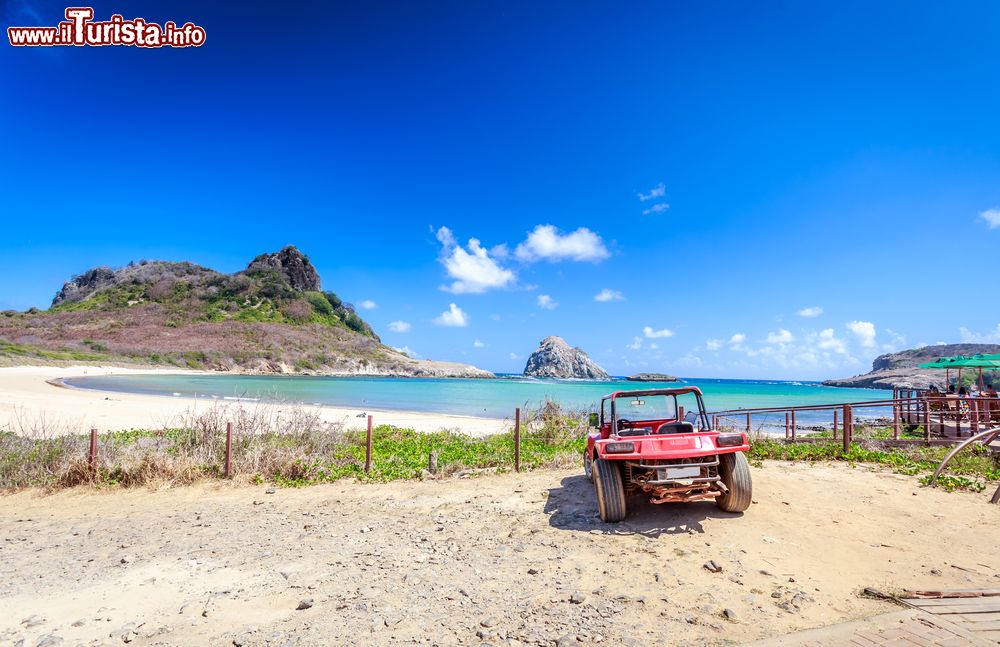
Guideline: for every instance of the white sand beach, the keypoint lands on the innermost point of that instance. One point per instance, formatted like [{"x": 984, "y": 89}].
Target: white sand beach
[
  {"x": 465, "y": 561},
  {"x": 28, "y": 399}
]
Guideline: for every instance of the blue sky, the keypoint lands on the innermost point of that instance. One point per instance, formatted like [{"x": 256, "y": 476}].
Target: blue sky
[{"x": 833, "y": 159}]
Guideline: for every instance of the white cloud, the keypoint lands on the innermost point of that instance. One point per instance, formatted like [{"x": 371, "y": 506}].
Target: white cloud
[
  {"x": 545, "y": 301},
  {"x": 495, "y": 317},
  {"x": 897, "y": 341},
  {"x": 781, "y": 337},
  {"x": 737, "y": 338},
  {"x": 500, "y": 251},
  {"x": 654, "y": 346},
  {"x": 828, "y": 341},
  {"x": 478, "y": 344},
  {"x": 474, "y": 270},
  {"x": 515, "y": 356},
  {"x": 660, "y": 207},
  {"x": 406, "y": 350},
  {"x": 400, "y": 326},
  {"x": 367, "y": 304},
  {"x": 864, "y": 331},
  {"x": 445, "y": 237},
  {"x": 811, "y": 312},
  {"x": 690, "y": 359},
  {"x": 713, "y": 344},
  {"x": 656, "y": 192},
  {"x": 992, "y": 218},
  {"x": 607, "y": 294},
  {"x": 969, "y": 337},
  {"x": 453, "y": 316},
  {"x": 636, "y": 343},
  {"x": 657, "y": 334},
  {"x": 546, "y": 243}
]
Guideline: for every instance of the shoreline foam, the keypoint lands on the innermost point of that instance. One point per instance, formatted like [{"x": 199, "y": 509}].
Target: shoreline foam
[{"x": 29, "y": 399}]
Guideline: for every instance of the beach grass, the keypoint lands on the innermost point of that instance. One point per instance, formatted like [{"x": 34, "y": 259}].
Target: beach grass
[
  {"x": 270, "y": 445},
  {"x": 970, "y": 470},
  {"x": 293, "y": 447}
]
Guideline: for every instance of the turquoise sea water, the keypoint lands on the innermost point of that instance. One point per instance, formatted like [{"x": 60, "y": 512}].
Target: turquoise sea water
[{"x": 487, "y": 398}]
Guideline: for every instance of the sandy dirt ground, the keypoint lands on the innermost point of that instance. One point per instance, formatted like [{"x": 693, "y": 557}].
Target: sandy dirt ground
[
  {"x": 27, "y": 399},
  {"x": 497, "y": 560}
]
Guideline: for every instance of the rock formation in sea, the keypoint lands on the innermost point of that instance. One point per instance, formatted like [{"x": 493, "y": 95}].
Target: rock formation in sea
[
  {"x": 899, "y": 370},
  {"x": 555, "y": 358},
  {"x": 651, "y": 377}
]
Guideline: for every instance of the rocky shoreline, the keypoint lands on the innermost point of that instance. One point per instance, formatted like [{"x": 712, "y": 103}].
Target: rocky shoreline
[{"x": 899, "y": 370}]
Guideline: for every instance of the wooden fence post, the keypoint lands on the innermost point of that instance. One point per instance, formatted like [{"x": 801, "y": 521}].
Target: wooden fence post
[
  {"x": 368, "y": 447},
  {"x": 229, "y": 450},
  {"x": 786, "y": 426},
  {"x": 835, "y": 412},
  {"x": 895, "y": 421},
  {"x": 748, "y": 423},
  {"x": 92, "y": 454},
  {"x": 848, "y": 428},
  {"x": 517, "y": 439},
  {"x": 793, "y": 425},
  {"x": 927, "y": 420}
]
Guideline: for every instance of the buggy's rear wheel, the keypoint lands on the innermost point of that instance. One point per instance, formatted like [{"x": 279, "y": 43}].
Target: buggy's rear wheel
[
  {"x": 588, "y": 465},
  {"x": 735, "y": 475},
  {"x": 610, "y": 490}
]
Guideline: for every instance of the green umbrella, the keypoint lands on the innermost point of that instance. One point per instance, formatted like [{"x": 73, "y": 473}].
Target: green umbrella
[
  {"x": 979, "y": 360},
  {"x": 941, "y": 362}
]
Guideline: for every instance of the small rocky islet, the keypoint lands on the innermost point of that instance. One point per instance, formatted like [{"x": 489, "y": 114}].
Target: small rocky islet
[
  {"x": 652, "y": 377},
  {"x": 554, "y": 358}
]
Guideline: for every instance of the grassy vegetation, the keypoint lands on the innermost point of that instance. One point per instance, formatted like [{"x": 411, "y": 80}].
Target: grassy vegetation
[
  {"x": 866, "y": 432},
  {"x": 969, "y": 470},
  {"x": 276, "y": 447},
  {"x": 292, "y": 447},
  {"x": 10, "y": 349}
]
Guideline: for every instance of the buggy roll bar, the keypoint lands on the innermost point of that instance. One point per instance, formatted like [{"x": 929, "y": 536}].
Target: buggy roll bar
[{"x": 684, "y": 390}]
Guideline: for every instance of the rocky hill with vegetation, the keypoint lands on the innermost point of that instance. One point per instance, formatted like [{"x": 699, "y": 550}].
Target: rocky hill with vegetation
[
  {"x": 899, "y": 370},
  {"x": 272, "y": 317}
]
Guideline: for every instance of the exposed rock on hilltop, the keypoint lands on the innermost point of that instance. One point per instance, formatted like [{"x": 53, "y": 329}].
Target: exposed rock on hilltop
[
  {"x": 555, "y": 358},
  {"x": 270, "y": 318},
  {"x": 293, "y": 264},
  {"x": 899, "y": 370}
]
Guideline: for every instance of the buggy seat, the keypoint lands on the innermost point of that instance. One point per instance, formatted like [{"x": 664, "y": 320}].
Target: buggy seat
[{"x": 678, "y": 427}]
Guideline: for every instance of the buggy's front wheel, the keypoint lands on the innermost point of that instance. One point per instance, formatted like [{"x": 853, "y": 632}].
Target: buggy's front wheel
[
  {"x": 610, "y": 490},
  {"x": 735, "y": 475},
  {"x": 588, "y": 465}
]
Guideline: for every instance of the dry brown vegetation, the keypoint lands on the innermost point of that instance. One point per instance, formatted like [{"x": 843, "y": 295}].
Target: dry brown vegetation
[{"x": 273, "y": 443}]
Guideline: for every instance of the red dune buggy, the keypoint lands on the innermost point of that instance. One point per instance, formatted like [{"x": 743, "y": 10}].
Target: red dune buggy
[{"x": 644, "y": 442}]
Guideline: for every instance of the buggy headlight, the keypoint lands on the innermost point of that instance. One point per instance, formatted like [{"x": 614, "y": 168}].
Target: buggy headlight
[
  {"x": 729, "y": 440},
  {"x": 619, "y": 448}
]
